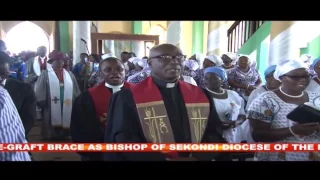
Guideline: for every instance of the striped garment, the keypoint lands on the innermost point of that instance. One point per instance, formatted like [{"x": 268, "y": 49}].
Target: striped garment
[{"x": 11, "y": 128}]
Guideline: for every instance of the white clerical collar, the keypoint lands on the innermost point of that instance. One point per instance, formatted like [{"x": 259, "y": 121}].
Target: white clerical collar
[
  {"x": 42, "y": 58},
  {"x": 4, "y": 82},
  {"x": 114, "y": 88},
  {"x": 170, "y": 85}
]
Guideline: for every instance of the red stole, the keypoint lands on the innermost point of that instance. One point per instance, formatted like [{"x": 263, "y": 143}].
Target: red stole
[
  {"x": 43, "y": 65},
  {"x": 151, "y": 108},
  {"x": 101, "y": 96},
  {"x": 60, "y": 75},
  {"x": 154, "y": 118}
]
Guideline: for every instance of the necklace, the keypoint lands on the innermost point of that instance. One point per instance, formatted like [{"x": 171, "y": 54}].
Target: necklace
[
  {"x": 299, "y": 96},
  {"x": 223, "y": 91}
]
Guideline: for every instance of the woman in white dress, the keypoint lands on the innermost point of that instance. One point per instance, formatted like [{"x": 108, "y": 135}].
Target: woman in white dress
[
  {"x": 314, "y": 85},
  {"x": 229, "y": 105},
  {"x": 271, "y": 84},
  {"x": 267, "y": 113}
]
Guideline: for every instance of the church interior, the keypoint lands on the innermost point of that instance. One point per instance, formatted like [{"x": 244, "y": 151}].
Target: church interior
[{"x": 259, "y": 39}]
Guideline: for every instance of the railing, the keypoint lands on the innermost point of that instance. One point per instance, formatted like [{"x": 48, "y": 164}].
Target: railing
[{"x": 240, "y": 32}]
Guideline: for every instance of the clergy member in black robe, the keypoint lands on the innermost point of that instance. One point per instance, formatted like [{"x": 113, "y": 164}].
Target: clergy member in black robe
[
  {"x": 22, "y": 94},
  {"x": 182, "y": 112},
  {"x": 89, "y": 111}
]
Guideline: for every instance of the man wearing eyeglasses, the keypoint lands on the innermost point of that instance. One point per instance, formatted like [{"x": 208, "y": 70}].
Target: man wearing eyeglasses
[{"x": 163, "y": 109}]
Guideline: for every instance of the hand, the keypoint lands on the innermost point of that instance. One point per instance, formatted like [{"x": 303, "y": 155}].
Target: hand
[
  {"x": 182, "y": 159},
  {"x": 227, "y": 125},
  {"x": 305, "y": 129},
  {"x": 251, "y": 88}
]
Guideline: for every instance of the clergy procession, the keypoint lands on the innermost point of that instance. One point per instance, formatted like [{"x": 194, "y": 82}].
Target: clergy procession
[{"x": 165, "y": 97}]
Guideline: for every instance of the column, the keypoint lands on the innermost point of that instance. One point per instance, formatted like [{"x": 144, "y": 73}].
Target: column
[
  {"x": 197, "y": 36},
  {"x": 1, "y": 31},
  {"x": 174, "y": 32},
  {"x": 109, "y": 47},
  {"x": 81, "y": 30},
  {"x": 64, "y": 36},
  {"x": 217, "y": 38},
  {"x": 138, "y": 48},
  {"x": 282, "y": 38}
]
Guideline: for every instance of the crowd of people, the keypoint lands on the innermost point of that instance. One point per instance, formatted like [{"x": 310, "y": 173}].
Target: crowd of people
[{"x": 103, "y": 98}]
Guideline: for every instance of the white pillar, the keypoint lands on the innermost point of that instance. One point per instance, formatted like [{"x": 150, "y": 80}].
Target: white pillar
[
  {"x": 138, "y": 48},
  {"x": 109, "y": 47},
  {"x": 81, "y": 30}
]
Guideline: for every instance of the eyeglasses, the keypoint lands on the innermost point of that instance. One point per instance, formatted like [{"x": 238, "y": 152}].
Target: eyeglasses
[
  {"x": 169, "y": 58},
  {"x": 296, "y": 78}
]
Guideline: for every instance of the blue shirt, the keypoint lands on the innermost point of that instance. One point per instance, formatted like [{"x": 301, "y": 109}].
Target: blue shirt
[
  {"x": 11, "y": 128},
  {"x": 77, "y": 69},
  {"x": 19, "y": 70}
]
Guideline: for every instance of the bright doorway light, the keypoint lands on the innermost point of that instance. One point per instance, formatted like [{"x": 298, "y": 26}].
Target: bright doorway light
[{"x": 26, "y": 36}]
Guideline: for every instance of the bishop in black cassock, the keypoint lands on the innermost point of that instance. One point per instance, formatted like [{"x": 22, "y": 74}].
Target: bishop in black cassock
[{"x": 182, "y": 111}]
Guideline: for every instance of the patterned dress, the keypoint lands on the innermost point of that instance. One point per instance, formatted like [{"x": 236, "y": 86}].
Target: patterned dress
[
  {"x": 243, "y": 78},
  {"x": 199, "y": 77},
  {"x": 271, "y": 109}
]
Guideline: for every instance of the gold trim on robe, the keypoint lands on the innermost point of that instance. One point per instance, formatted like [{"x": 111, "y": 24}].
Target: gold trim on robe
[{"x": 156, "y": 124}]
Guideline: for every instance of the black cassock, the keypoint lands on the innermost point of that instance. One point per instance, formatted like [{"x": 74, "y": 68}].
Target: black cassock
[
  {"x": 24, "y": 99},
  {"x": 85, "y": 124},
  {"x": 124, "y": 126}
]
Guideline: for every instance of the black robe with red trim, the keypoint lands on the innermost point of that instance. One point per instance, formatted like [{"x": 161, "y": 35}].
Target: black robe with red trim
[
  {"x": 124, "y": 124},
  {"x": 88, "y": 118}
]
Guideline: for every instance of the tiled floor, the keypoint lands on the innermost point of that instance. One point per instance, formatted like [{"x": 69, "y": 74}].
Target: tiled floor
[{"x": 34, "y": 136}]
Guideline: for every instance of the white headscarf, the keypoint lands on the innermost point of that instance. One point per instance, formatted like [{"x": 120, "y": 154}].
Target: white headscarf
[
  {"x": 200, "y": 58},
  {"x": 306, "y": 58},
  {"x": 134, "y": 60},
  {"x": 215, "y": 59},
  {"x": 142, "y": 63},
  {"x": 251, "y": 61},
  {"x": 232, "y": 56},
  {"x": 105, "y": 56},
  {"x": 192, "y": 64},
  {"x": 286, "y": 66}
]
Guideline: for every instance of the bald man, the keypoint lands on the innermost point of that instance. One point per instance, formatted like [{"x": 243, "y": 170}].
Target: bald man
[
  {"x": 37, "y": 65},
  {"x": 163, "y": 109},
  {"x": 3, "y": 46}
]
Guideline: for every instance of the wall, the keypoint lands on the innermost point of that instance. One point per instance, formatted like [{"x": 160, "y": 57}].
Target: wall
[
  {"x": 186, "y": 38},
  {"x": 124, "y": 27},
  {"x": 313, "y": 48},
  {"x": 255, "y": 42},
  {"x": 147, "y": 25}
]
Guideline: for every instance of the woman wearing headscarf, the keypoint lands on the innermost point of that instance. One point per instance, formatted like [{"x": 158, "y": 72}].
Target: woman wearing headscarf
[
  {"x": 139, "y": 65},
  {"x": 271, "y": 84},
  {"x": 229, "y": 105},
  {"x": 209, "y": 61},
  {"x": 132, "y": 67},
  {"x": 243, "y": 78},
  {"x": 190, "y": 68},
  {"x": 199, "y": 58},
  {"x": 229, "y": 61},
  {"x": 314, "y": 85},
  {"x": 268, "y": 113},
  {"x": 307, "y": 59}
]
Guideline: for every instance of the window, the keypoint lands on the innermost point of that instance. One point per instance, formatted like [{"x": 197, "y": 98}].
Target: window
[{"x": 26, "y": 36}]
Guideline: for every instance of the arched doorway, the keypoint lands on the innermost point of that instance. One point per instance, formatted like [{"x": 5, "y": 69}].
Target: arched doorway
[{"x": 26, "y": 36}]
